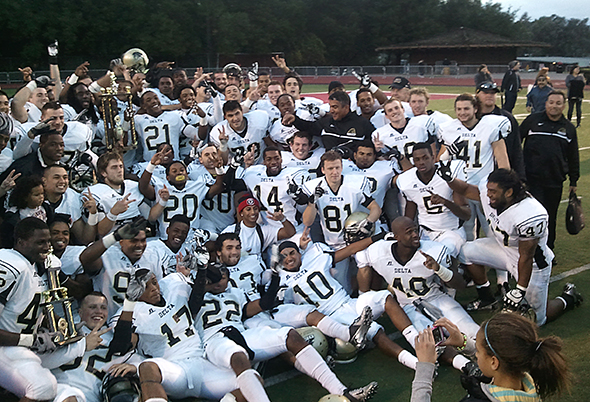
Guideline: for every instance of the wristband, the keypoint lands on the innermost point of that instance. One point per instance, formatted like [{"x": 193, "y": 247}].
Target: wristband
[
  {"x": 73, "y": 79},
  {"x": 111, "y": 217},
  {"x": 53, "y": 60},
  {"x": 284, "y": 219},
  {"x": 150, "y": 167},
  {"x": 203, "y": 122},
  {"x": 128, "y": 305},
  {"x": 94, "y": 88},
  {"x": 247, "y": 103},
  {"x": 162, "y": 202},
  {"x": 32, "y": 85},
  {"x": 444, "y": 273},
  {"x": 522, "y": 288},
  {"x": 109, "y": 240},
  {"x": 223, "y": 146},
  {"x": 253, "y": 84},
  {"x": 460, "y": 348},
  {"x": 219, "y": 171},
  {"x": 92, "y": 219},
  {"x": 26, "y": 340},
  {"x": 373, "y": 88}
]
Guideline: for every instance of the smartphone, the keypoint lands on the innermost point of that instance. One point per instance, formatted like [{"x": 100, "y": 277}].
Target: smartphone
[
  {"x": 439, "y": 335},
  {"x": 280, "y": 54}
]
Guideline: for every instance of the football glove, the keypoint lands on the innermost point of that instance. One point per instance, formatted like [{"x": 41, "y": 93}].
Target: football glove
[
  {"x": 444, "y": 171},
  {"x": 44, "y": 341},
  {"x": 456, "y": 147},
  {"x": 514, "y": 299},
  {"x": 296, "y": 192},
  {"x": 43, "y": 81},
  {"x": 393, "y": 153},
  {"x": 53, "y": 49},
  {"x": 275, "y": 259},
  {"x": 366, "y": 227},
  {"x": 364, "y": 79},
  {"x": 253, "y": 73},
  {"x": 42, "y": 127},
  {"x": 344, "y": 151},
  {"x": 137, "y": 284},
  {"x": 131, "y": 229},
  {"x": 318, "y": 192}
]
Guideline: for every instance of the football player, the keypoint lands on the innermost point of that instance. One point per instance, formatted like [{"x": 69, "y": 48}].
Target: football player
[
  {"x": 480, "y": 143},
  {"x": 240, "y": 133},
  {"x": 173, "y": 246},
  {"x": 270, "y": 183},
  {"x": 218, "y": 212},
  {"x": 258, "y": 237},
  {"x": 439, "y": 209},
  {"x": 415, "y": 271},
  {"x": 518, "y": 244},
  {"x": 112, "y": 260},
  {"x": 279, "y": 133},
  {"x": 156, "y": 127},
  {"x": 77, "y": 136},
  {"x": 306, "y": 280},
  {"x": 23, "y": 278},
  {"x": 335, "y": 197},
  {"x": 301, "y": 154},
  {"x": 116, "y": 197},
  {"x": 230, "y": 345},
  {"x": 178, "y": 194},
  {"x": 379, "y": 174},
  {"x": 275, "y": 89},
  {"x": 419, "y": 98}
]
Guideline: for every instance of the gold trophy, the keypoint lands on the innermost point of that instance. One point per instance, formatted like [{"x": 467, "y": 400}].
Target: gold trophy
[
  {"x": 114, "y": 128},
  {"x": 57, "y": 308}
]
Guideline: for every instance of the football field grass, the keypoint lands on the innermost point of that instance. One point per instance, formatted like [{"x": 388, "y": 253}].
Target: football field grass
[{"x": 573, "y": 327}]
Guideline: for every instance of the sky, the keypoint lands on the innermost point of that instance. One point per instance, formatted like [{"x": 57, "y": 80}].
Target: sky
[{"x": 578, "y": 9}]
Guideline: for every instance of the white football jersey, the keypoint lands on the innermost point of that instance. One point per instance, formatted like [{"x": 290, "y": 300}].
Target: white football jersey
[
  {"x": 164, "y": 99},
  {"x": 70, "y": 260},
  {"x": 311, "y": 163},
  {"x": 267, "y": 107},
  {"x": 417, "y": 129},
  {"x": 168, "y": 331},
  {"x": 524, "y": 220},
  {"x": 185, "y": 201},
  {"x": 313, "y": 283},
  {"x": 478, "y": 155},
  {"x": 219, "y": 212},
  {"x": 379, "y": 176},
  {"x": 87, "y": 372},
  {"x": 334, "y": 208},
  {"x": 159, "y": 172},
  {"x": 33, "y": 113},
  {"x": 221, "y": 310},
  {"x": 20, "y": 292},
  {"x": 257, "y": 125},
  {"x": 192, "y": 118},
  {"x": 77, "y": 139},
  {"x": 166, "y": 257},
  {"x": 69, "y": 204},
  {"x": 246, "y": 275},
  {"x": 411, "y": 281},
  {"x": 113, "y": 278},
  {"x": 432, "y": 217},
  {"x": 106, "y": 197},
  {"x": 166, "y": 128},
  {"x": 271, "y": 191},
  {"x": 439, "y": 118},
  {"x": 302, "y": 111},
  {"x": 280, "y": 133}
]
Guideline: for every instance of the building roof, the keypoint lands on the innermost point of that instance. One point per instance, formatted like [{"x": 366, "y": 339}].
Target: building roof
[
  {"x": 581, "y": 61},
  {"x": 463, "y": 38}
]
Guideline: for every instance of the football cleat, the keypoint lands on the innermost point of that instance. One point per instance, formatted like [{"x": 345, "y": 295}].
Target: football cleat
[
  {"x": 362, "y": 394},
  {"x": 572, "y": 296},
  {"x": 471, "y": 369},
  {"x": 479, "y": 305},
  {"x": 359, "y": 328}
]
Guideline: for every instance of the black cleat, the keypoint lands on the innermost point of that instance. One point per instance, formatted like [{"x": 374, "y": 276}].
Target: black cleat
[{"x": 572, "y": 296}]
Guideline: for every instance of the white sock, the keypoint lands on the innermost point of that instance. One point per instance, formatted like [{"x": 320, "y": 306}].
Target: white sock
[
  {"x": 407, "y": 359},
  {"x": 332, "y": 328},
  {"x": 309, "y": 361},
  {"x": 410, "y": 333},
  {"x": 156, "y": 400},
  {"x": 229, "y": 397},
  {"x": 251, "y": 387},
  {"x": 501, "y": 276},
  {"x": 460, "y": 361},
  {"x": 485, "y": 285}
]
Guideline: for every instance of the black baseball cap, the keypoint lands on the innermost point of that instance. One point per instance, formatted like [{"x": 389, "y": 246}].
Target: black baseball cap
[
  {"x": 400, "y": 82},
  {"x": 487, "y": 86}
]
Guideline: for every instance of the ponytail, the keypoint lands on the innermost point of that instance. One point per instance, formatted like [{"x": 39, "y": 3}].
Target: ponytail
[{"x": 513, "y": 340}]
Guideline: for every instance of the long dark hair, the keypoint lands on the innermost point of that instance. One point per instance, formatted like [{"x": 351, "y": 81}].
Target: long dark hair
[{"x": 513, "y": 339}]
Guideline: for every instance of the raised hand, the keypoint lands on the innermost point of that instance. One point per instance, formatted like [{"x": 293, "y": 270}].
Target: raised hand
[
  {"x": 94, "y": 338},
  {"x": 430, "y": 262},
  {"x": 131, "y": 229},
  {"x": 82, "y": 70},
  {"x": 444, "y": 171},
  {"x": 89, "y": 202},
  {"x": 379, "y": 145},
  {"x": 27, "y": 73},
  {"x": 304, "y": 240},
  {"x": 122, "y": 205},
  {"x": 10, "y": 181}
]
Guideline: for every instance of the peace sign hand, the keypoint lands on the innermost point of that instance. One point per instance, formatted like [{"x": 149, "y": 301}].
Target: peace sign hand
[{"x": 94, "y": 338}]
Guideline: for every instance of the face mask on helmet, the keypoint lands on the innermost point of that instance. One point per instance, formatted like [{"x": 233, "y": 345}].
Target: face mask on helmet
[{"x": 120, "y": 389}]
